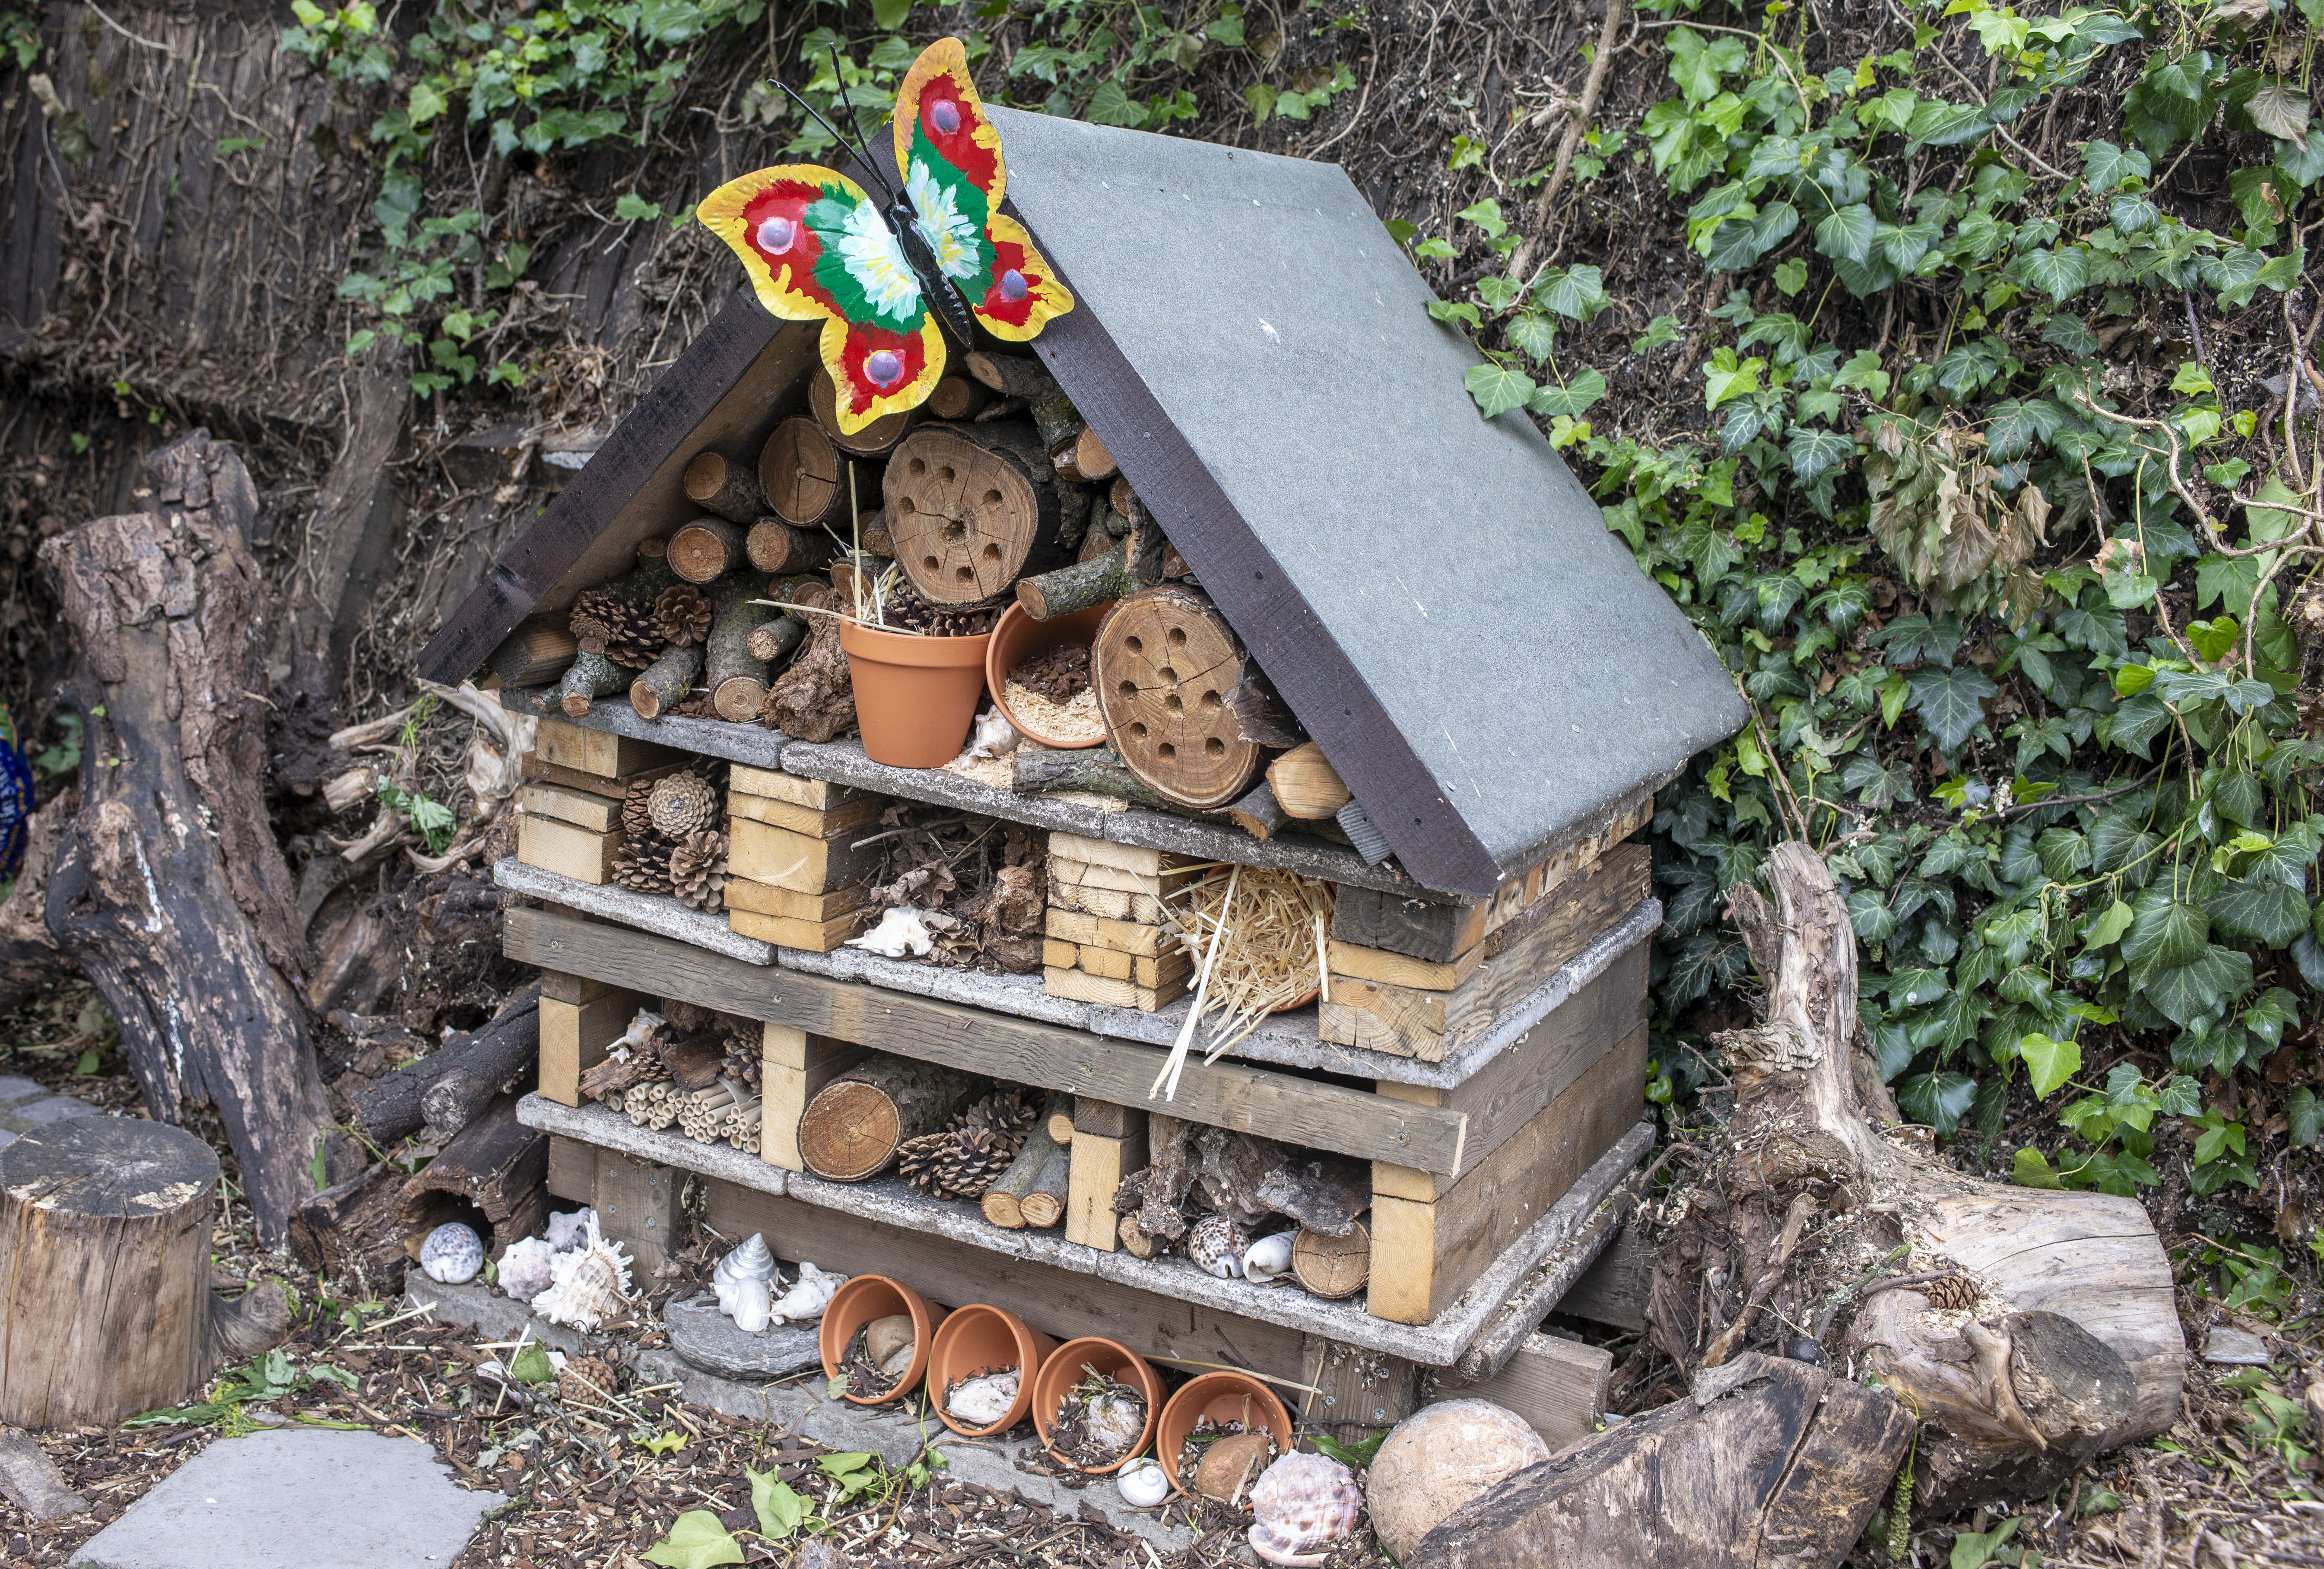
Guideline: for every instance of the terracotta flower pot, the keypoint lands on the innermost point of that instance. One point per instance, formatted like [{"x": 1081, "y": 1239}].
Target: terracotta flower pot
[
  {"x": 862, "y": 1299},
  {"x": 1223, "y": 1397},
  {"x": 980, "y": 1337},
  {"x": 1018, "y": 637},
  {"x": 914, "y": 697},
  {"x": 1063, "y": 1370}
]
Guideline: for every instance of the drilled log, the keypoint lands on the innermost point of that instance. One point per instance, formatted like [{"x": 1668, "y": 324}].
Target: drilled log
[
  {"x": 851, "y": 1128},
  {"x": 971, "y": 508}
]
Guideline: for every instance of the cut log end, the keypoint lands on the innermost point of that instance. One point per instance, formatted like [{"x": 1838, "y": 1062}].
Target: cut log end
[{"x": 1164, "y": 663}]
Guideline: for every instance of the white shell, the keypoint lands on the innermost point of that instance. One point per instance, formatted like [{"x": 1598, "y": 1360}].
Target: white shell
[
  {"x": 900, "y": 931},
  {"x": 1303, "y": 1504},
  {"x": 749, "y": 1304},
  {"x": 994, "y": 737},
  {"x": 1142, "y": 1484},
  {"x": 528, "y": 1268},
  {"x": 807, "y": 1299},
  {"x": 568, "y": 1232},
  {"x": 591, "y": 1284},
  {"x": 982, "y": 1401},
  {"x": 451, "y": 1254},
  {"x": 749, "y": 1261},
  {"x": 1268, "y": 1258},
  {"x": 1115, "y": 1421},
  {"x": 1217, "y": 1244}
]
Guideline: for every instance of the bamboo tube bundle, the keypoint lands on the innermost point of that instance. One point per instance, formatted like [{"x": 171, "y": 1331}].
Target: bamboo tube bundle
[{"x": 702, "y": 1115}]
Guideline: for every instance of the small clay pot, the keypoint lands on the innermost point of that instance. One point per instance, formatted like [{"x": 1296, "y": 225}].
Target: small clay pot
[
  {"x": 1223, "y": 1397},
  {"x": 1018, "y": 637},
  {"x": 914, "y": 697},
  {"x": 862, "y": 1299},
  {"x": 1063, "y": 1370},
  {"x": 978, "y": 1338}
]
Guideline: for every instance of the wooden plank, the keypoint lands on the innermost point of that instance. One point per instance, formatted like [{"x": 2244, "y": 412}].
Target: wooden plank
[
  {"x": 1228, "y": 1094},
  {"x": 1391, "y": 968},
  {"x": 1081, "y": 986},
  {"x": 1425, "y": 1255},
  {"x": 813, "y": 936},
  {"x": 637, "y": 1204},
  {"x": 1136, "y": 860},
  {"x": 1430, "y": 1025},
  {"x": 793, "y": 1066},
  {"x": 574, "y": 1039},
  {"x": 1109, "y": 902},
  {"x": 1060, "y": 1303},
  {"x": 1170, "y": 969},
  {"x": 576, "y": 988},
  {"x": 582, "y": 808},
  {"x": 1094, "y": 961},
  {"x": 765, "y": 854},
  {"x": 1108, "y": 1119},
  {"x": 572, "y": 1170},
  {"x": 807, "y": 820},
  {"x": 597, "y": 752},
  {"x": 651, "y": 912},
  {"x": 1099, "y": 1165},
  {"x": 1613, "y": 1290},
  {"x": 1521, "y": 897},
  {"x": 1353, "y": 1393},
  {"x": 1508, "y": 1092},
  {"x": 1438, "y": 933},
  {"x": 773, "y": 784},
  {"x": 1061, "y": 956},
  {"x": 1065, "y": 868},
  {"x": 1122, "y": 936},
  {"x": 766, "y": 899},
  {"x": 572, "y": 778},
  {"x": 565, "y": 850},
  {"x": 1557, "y": 1385}
]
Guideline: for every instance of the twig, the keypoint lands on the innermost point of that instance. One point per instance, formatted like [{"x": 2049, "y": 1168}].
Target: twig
[
  {"x": 1576, "y": 125},
  {"x": 149, "y": 44}
]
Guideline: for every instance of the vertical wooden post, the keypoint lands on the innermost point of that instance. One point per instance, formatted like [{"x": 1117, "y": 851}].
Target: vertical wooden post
[
  {"x": 1356, "y": 1390},
  {"x": 792, "y": 1067},
  {"x": 580, "y": 1020},
  {"x": 637, "y": 1206},
  {"x": 1109, "y": 1143}
]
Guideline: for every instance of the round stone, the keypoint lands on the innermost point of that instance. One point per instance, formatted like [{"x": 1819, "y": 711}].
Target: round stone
[
  {"x": 775, "y": 234},
  {"x": 885, "y": 367},
  {"x": 1012, "y": 285},
  {"x": 947, "y": 115}
]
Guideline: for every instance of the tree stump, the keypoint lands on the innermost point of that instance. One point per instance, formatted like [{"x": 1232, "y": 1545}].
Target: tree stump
[
  {"x": 1164, "y": 663},
  {"x": 971, "y": 509},
  {"x": 105, "y": 1272}
]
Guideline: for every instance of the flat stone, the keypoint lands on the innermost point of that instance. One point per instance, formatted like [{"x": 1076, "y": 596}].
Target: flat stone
[
  {"x": 31, "y": 1480},
  {"x": 708, "y": 1339},
  {"x": 55, "y": 1108},
  {"x": 15, "y": 1088},
  {"x": 2234, "y": 1348},
  {"x": 303, "y": 1498}
]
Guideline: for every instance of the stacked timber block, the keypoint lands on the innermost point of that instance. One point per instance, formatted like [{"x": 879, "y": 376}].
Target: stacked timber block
[
  {"x": 1110, "y": 938},
  {"x": 796, "y": 876},
  {"x": 576, "y": 778},
  {"x": 580, "y": 1018}
]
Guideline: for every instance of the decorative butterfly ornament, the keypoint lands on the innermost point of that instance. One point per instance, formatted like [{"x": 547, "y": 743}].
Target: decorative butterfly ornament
[{"x": 817, "y": 248}]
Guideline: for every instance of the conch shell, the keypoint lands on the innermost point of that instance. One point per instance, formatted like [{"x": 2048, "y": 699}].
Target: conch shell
[
  {"x": 749, "y": 1263},
  {"x": 900, "y": 931},
  {"x": 591, "y": 1284},
  {"x": 809, "y": 1297},
  {"x": 1303, "y": 1503}
]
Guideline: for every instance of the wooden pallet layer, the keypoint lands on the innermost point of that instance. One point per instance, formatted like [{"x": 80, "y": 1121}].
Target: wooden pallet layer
[{"x": 934, "y": 1226}]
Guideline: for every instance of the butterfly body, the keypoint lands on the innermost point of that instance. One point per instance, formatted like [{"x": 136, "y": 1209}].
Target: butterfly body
[{"x": 817, "y": 247}]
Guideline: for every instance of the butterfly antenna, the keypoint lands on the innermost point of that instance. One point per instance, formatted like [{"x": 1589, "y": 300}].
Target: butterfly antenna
[{"x": 850, "y": 145}]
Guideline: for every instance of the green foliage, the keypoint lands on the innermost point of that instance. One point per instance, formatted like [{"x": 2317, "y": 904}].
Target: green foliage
[
  {"x": 266, "y": 1377},
  {"x": 695, "y": 1541},
  {"x": 19, "y": 38},
  {"x": 430, "y": 818}
]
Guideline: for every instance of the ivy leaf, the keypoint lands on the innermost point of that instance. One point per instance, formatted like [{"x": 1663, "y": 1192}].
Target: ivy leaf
[
  {"x": 1815, "y": 451},
  {"x": 1111, "y": 105},
  {"x": 1877, "y": 785},
  {"x": 2108, "y": 925},
  {"x": 633, "y": 207},
  {"x": 1531, "y": 334},
  {"x": 1577, "y": 293},
  {"x": 2287, "y": 859},
  {"x": 2032, "y": 1170},
  {"x": 1498, "y": 389},
  {"x": 2279, "y": 109},
  {"x": 1948, "y": 702},
  {"x": 2048, "y": 1063},
  {"x": 1937, "y": 1099},
  {"x": 2268, "y": 1017},
  {"x": 2189, "y": 992},
  {"x": 2165, "y": 932},
  {"x": 2135, "y": 723},
  {"x": 2105, "y": 166},
  {"x": 2238, "y": 799},
  {"x": 2303, "y": 1115},
  {"x": 1847, "y": 233},
  {"x": 1573, "y": 399},
  {"x": 2059, "y": 274},
  {"x": 695, "y": 1541},
  {"x": 780, "y": 1510},
  {"x": 2267, "y": 913}
]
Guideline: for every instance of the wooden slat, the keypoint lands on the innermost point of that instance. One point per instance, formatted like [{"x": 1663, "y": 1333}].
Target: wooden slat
[
  {"x": 1558, "y": 1386},
  {"x": 1361, "y": 964},
  {"x": 774, "y": 784},
  {"x": 811, "y": 936},
  {"x": 1080, "y": 985},
  {"x": 1122, "y": 936},
  {"x": 574, "y": 989},
  {"x": 1613, "y": 1290},
  {"x": 1230, "y": 1095},
  {"x": 815, "y": 825},
  {"x": 565, "y": 850},
  {"x": 1099, "y": 1165},
  {"x": 574, "y": 1039},
  {"x": 597, "y": 752},
  {"x": 765, "y": 854},
  {"x": 793, "y": 1066},
  {"x": 572, "y": 1170},
  {"x": 766, "y": 899},
  {"x": 599, "y": 814}
]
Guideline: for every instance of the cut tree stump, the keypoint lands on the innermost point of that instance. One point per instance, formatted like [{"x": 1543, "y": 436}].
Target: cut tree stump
[
  {"x": 849, "y": 1130},
  {"x": 172, "y": 894},
  {"x": 1162, "y": 664},
  {"x": 971, "y": 508},
  {"x": 104, "y": 1271}
]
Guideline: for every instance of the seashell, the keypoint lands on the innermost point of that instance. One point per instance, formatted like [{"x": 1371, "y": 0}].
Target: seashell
[
  {"x": 528, "y": 1268},
  {"x": 591, "y": 1284},
  {"x": 807, "y": 1299},
  {"x": 749, "y": 1304},
  {"x": 901, "y": 930},
  {"x": 1142, "y": 1484},
  {"x": 452, "y": 1254},
  {"x": 568, "y": 1232},
  {"x": 1268, "y": 1258},
  {"x": 985, "y": 1400},
  {"x": 749, "y": 1261},
  {"x": 1218, "y": 1245},
  {"x": 1114, "y": 1421},
  {"x": 994, "y": 737},
  {"x": 1303, "y": 1503}
]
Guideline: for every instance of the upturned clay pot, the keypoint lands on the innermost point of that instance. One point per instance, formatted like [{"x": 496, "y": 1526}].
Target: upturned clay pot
[
  {"x": 862, "y": 1299},
  {"x": 1223, "y": 1397},
  {"x": 914, "y": 697},
  {"x": 1016, "y": 637},
  {"x": 980, "y": 1337},
  {"x": 1063, "y": 1370}
]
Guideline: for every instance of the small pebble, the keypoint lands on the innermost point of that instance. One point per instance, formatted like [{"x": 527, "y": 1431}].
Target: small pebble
[{"x": 1801, "y": 1349}]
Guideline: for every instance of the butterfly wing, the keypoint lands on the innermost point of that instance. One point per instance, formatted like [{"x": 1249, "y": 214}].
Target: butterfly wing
[
  {"x": 816, "y": 248},
  {"x": 949, "y": 155}
]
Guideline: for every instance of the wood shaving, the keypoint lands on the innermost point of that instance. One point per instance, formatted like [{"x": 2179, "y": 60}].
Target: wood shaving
[{"x": 1077, "y": 720}]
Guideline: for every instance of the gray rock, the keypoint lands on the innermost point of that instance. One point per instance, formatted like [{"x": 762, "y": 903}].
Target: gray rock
[
  {"x": 2234, "y": 1348},
  {"x": 708, "y": 1339},
  {"x": 31, "y": 1480},
  {"x": 304, "y": 1499},
  {"x": 55, "y": 1108},
  {"x": 15, "y": 1090}
]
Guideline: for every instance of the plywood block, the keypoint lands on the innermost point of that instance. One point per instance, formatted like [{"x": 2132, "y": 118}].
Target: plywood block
[
  {"x": 1099, "y": 1165},
  {"x": 793, "y": 1066},
  {"x": 637, "y": 1204},
  {"x": 766, "y": 854},
  {"x": 1425, "y": 1255},
  {"x": 566, "y": 850},
  {"x": 1121, "y": 935},
  {"x": 597, "y": 752},
  {"x": 1395, "y": 969},
  {"x": 574, "y": 1039},
  {"x": 813, "y": 936},
  {"x": 1081, "y": 986},
  {"x": 766, "y": 899},
  {"x": 599, "y": 814},
  {"x": 815, "y": 794},
  {"x": 1132, "y": 858},
  {"x": 840, "y": 819},
  {"x": 1557, "y": 1385}
]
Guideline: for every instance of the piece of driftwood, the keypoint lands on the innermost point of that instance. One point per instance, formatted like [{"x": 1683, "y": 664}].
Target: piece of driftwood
[
  {"x": 1258, "y": 813},
  {"x": 1766, "y": 1462},
  {"x": 814, "y": 699},
  {"x": 851, "y": 1128},
  {"x": 171, "y": 895},
  {"x": 497, "y": 1167},
  {"x": 487, "y": 1058},
  {"x": 352, "y": 1232},
  {"x": 1322, "y": 1193}
]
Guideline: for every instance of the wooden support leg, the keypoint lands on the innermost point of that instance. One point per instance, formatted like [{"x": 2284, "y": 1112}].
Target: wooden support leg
[
  {"x": 1109, "y": 1143},
  {"x": 636, "y": 1202},
  {"x": 575, "y": 1034},
  {"x": 1356, "y": 1392},
  {"x": 792, "y": 1067}
]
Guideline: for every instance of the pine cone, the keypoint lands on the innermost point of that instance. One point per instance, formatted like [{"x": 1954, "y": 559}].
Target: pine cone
[
  {"x": 697, "y": 870},
  {"x": 969, "y": 1156},
  {"x": 637, "y": 821},
  {"x": 904, "y": 609},
  {"x": 628, "y": 635},
  {"x": 682, "y": 803},
  {"x": 683, "y": 615},
  {"x": 586, "y": 1379},
  {"x": 644, "y": 865}
]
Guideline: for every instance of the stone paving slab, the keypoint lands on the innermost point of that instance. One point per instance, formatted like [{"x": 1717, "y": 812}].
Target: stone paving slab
[
  {"x": 26, "y": 1105},
  {"x": 298, "y": 1498}
]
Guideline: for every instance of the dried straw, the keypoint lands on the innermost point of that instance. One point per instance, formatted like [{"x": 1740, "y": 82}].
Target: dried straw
[{"x": 1266, "y": 952}]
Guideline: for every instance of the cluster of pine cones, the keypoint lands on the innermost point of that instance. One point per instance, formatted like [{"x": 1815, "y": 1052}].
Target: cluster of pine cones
[
  {"x": 633, "y": 619},
  {"x": 902, "y": 609},
  {"x": 673, "y": 840},
  {"x": 969, "y": 1156}
]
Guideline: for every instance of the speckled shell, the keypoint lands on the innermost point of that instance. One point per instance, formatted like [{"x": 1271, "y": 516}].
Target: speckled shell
[
  {"x": 451, "y": 1254},
  {"x": 591, "y": 1284},
  {"x": 528, "y": 1268},
  {"x": 568, "y": 1232},
  {"x": 1217, "y": 1244},
  {"x": 1303, "y": 1503}
]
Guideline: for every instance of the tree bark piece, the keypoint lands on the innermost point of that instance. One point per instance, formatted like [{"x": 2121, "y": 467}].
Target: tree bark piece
[
  {"x": 1036, "y": 1176},
  {"x": 971, "y": 508},
  {"x": 814, "y": 699},
  {"x": 494, "y": 1055},
  {"x": 879, "y": 436},
  {"x": 1132, "y": 563},
  {"x": 849, "y": 1130},
  {"x": 1095, "y": 769},
  {"x": 806, "y": 476},
  {"x": 1307, "y": 787},
  {"x": 105, "y": 1240},
  {"x": 590, "y": 675},
  {"x": 775, "y": 546},
  {"x": 707, "y": 549},
  {"x": 717, "y": 484},
  {"x": 736, "y": 677},
  {"x": 171, "y": 895},
  {"x": 1325, "y": 1193},
  {"x": 666, "y": 682},
  {"x": 30, "y": 963},
  {"x": 497, "y": 1168},
  {"x": 353, "y": 1232},
  {"x": 1163, "y": 662}
]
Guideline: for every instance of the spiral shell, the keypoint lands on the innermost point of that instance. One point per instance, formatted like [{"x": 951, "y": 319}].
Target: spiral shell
[
  {"x": 528, "y": 1268},
  {"x": 1303, "y": 1503},
  {"x": 591, "y": 1283},
  {"x": 452, "y": 1254},
  {"x": 1142, "y": 1483},
  {"x": 1218, "y": 1245},
  {"x": 751, "y": 1261}
]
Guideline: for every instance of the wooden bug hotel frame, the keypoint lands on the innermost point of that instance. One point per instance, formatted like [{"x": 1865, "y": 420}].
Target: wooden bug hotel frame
[{"x": 1457, "y": 696}]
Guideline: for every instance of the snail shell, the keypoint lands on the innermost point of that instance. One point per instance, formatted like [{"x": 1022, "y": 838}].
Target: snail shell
[
  {"x": 1268, "y": 1258},
  {"x": 592, "y": 1285},
  {"x": 451, "y": 1254},
  {"x": 748, "y": 1303},
  {"x": 528, "y": 1268},
  {"x": 809, "y": 1297},
  {"x": 1217, "y": 1244},
  {"x": 1142, "y": 1484},
  {"x": 1303, "y": 1504}
]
